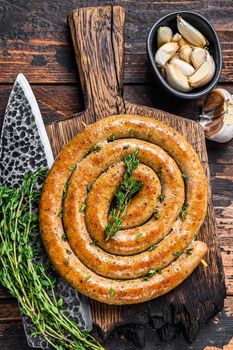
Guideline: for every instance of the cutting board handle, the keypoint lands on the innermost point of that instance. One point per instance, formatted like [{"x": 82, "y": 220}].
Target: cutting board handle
[{"x": 97, "y": 34}]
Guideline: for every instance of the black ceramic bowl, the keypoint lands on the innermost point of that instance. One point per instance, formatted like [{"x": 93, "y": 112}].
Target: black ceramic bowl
[{"x": 207, "y": 30}]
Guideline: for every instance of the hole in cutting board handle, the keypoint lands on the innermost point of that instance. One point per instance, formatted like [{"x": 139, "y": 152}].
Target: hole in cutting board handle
[{"x": 98, "y": 39}]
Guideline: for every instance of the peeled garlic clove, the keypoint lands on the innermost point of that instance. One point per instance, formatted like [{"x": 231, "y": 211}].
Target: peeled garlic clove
[
  {"x": 183, "y": 42},
  {"x": 190, "y": 33},
  {"x": 165, "y": 53},
  {"x": 198, "y": 56},
  {"x": 164, "y": 35},
  {"x": 177, "y": 79},
  {"x": 203, "y": 74},
  {"x": 176, "y": 37},
  {"x": 185, "y": 53},
  {"x": 183, "y": 66}
]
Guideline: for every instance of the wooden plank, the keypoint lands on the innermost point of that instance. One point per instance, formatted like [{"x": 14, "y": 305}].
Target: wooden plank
[
  {"x": 12, "y": 336},
  {"x": 9, "y": 311},
  {"x": 59, "y": 102},
  {"x": 215, "y": 335},
  {"x": 34, "y": 38}
]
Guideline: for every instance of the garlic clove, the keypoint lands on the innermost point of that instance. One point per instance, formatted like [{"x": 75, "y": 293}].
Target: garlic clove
[
  {"x": 213, "y": 129},
  {"x": 183, "y": 66},
  {"x": 204, "y": 73},
  {"x": 198, "y": 56},
  {"x": 214, "y": 102},
  {"x": 183, "y": 42},
  {"x": 164, "y": 35},
  {"x": 165, "y": 53},
  {"x": 176, "y": 78},
  {"x": 190, "y": 33},
  {"x": 221, "y": 133},
  {"x": 176, "y": 37},
  {"x": 185, "y": 53},
  {"x": 224, "y": 93},
  {"x": 214, "y": 123}
]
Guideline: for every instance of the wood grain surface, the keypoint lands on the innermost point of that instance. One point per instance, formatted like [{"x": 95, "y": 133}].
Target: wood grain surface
[
  {"x": 60, "y": 98},
  {"x": 35, "y": 40}
]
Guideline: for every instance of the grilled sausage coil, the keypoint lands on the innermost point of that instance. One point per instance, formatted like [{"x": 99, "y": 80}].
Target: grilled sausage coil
[{"x": 77, "y": 196}]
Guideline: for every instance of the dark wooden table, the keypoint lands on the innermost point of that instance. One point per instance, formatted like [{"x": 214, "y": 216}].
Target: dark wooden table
[{"x": 34, "y": 40}]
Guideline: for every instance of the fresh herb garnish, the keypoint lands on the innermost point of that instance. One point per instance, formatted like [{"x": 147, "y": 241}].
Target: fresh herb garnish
[
  {"x": 153, "y": 247},
  {"x": 189, "y": 251},
  {"x": 177, "y": 254},
  {"x": 161, "y": 197},
  {"x": 151, "y": 273},
  {"x": 156, "y": 214},
  {"x": 115, "y": 224},
  {"x": 60, "y": 214},
  {"x": 72, "y": 167},
  {"x": 95, "y": 148},
  {"x": 112, "y": 138},
  {"x": 133, "y": 133},
  {"x": 111, "y": 292},
  {"x": 87, "y": 278},
  {"x": 88, "y": 188},
  {"x": 67, "y": 261},
  {"x": 65, "y": 188},
  {"x": 125, "y": 147},
  {"x": 160, "y": 171},
  {"x": 94, "y": 242},
  {"x": 140, "y": 235},
  {"x": 82, "y": 208},
  {"x": 124, "y": 194},
  {"x": 25, "y": 278},
  {"x": 185, "y": 176},
  {"x": 184, "y": 212},
  {"x": 64, "y": 237}
]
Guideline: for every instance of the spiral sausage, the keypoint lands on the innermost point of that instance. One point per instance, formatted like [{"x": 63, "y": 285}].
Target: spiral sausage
[{"x": 144, "y": 259}]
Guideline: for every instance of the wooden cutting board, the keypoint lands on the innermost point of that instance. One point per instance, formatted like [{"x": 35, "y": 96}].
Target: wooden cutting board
[{"x": 98, "y": 40}]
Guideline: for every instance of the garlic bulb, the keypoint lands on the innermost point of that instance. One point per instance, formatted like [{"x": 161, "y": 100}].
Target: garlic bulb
[
  {"x": 217, "y": 116},
  {"x": 164, "y": 35},
  {"x": 165, "y": 53}
]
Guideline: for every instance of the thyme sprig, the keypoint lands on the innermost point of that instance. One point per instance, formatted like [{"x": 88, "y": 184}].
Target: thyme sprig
[
  {"x": 124, "y": 194},
  {"x": 27, "y": 280}
]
